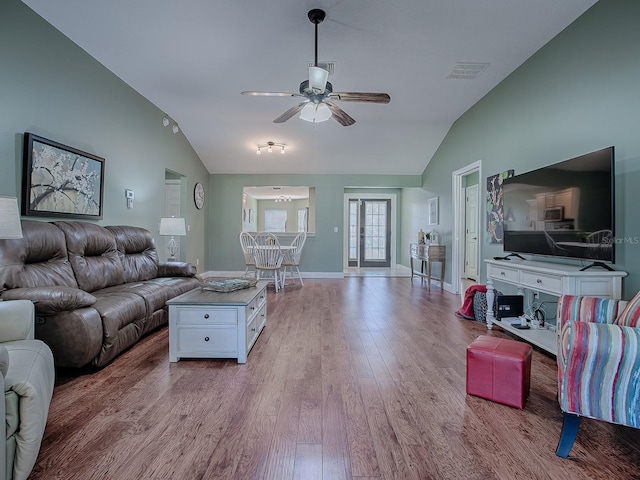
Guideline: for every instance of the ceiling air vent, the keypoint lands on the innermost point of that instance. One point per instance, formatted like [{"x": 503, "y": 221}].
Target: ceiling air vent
[
  {"x": 467, "y": 71},
  {"x": 328, "y": 66}
]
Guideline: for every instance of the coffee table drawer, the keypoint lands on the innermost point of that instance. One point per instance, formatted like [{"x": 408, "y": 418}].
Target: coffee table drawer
[
  {"x": 206, "y": 316},
  {"x": 212, "y": 341}
]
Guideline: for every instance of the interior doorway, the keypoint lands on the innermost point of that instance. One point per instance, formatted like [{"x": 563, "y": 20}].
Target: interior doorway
[
  {"x": 173, "y": 207},
  {"x": 466, "y": 220}
]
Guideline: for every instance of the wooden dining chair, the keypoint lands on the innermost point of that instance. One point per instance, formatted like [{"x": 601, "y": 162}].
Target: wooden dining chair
[
  {"x": 268, "y": 257},
  {"x": 247, "y": 243},
  {"x": 292, "y": 258}
]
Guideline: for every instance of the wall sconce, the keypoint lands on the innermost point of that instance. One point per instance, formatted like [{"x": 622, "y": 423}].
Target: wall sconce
[
  {"x": 10, "y": 226},
  {"x": 269, "y": 146},
  {"x": 171, "y": 226},
  {"x": 166, "y": 122}
]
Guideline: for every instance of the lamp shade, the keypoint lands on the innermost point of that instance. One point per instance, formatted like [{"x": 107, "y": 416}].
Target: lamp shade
[
  {"x": 172, "y": 226},
  {"x": 10, "y": 226}
]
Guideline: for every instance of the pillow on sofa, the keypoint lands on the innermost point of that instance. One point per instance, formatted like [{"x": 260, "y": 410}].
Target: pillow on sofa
[{"x": 52, "y": 299}]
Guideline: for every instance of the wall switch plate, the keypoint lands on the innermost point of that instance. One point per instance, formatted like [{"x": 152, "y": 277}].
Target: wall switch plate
[{"x": 335, "y": 229}]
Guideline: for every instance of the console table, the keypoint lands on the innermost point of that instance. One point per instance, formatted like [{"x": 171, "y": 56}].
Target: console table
[
  {"x": 551, "y": 278},
  {"x": 427, "y": 254}
]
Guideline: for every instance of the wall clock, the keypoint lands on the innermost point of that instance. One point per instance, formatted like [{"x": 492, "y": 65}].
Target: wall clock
[{"x": 198, "y": 195}]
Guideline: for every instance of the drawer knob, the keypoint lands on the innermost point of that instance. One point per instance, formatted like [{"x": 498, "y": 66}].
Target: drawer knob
[
  {"x": 539, "y": 281},
  {"x": 502, "y": 273},
  {"x": 253, "y": 329},
  {"x": 253, "y": 308},
  {"x": 206, "y": 339},
  {"x": 206, "y": 315}
]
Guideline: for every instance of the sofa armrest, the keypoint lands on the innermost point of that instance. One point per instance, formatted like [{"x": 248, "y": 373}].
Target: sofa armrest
[
  {"x": 16, "y": 320},
  {"x": 28, "y": 389},
  {"x": 53, "y": 299},
  {"x": 588, "y": 309},
  {"x": 598, "y": 368},
  {"x": 176, "y": 269}
]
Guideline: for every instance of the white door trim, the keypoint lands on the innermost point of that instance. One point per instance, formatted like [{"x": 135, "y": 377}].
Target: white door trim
[
  {"x": 345, "y": 226},
  {"x": 457, "y": 200}
]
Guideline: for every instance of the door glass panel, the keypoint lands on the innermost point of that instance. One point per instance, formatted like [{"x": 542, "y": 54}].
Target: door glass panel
[{"x": 375, "y": 218}]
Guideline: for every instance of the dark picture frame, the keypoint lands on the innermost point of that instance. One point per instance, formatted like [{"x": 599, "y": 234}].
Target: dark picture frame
[{"x": 61, "y": 181}]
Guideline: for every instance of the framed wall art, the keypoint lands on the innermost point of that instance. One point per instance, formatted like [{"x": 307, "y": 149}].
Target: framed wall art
[
  {"x": 60, "y": 181},
  {"x": 495, "y": 207}
]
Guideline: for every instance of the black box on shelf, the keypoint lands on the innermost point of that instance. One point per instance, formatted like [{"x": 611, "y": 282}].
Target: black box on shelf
[{"x": 510, "y": 306}]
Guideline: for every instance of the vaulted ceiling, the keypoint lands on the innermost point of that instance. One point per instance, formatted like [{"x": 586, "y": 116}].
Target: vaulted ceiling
[{"x": 192, "y": 58}]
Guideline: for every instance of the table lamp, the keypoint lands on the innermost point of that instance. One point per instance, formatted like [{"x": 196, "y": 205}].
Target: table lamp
[
  {"x": 171, "y": 226},
  {"x": 10, "y": 227}
]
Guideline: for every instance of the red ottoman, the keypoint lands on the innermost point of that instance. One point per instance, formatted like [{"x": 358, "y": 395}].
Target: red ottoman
[{"x": 499, "y": 370}]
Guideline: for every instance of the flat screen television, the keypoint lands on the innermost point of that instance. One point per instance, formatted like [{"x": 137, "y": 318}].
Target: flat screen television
[{"x": 563, "y": 210}]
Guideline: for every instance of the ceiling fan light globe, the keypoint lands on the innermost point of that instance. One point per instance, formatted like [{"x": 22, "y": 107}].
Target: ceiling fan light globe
[
  {"x": 308, "y": 112},
  {"x": 322, "y": 113}
]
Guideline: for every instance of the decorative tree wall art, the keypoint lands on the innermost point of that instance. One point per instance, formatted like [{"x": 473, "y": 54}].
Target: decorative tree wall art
[
  {"x": 495, "y": 207},
  {"x": 60, "y": 181}
]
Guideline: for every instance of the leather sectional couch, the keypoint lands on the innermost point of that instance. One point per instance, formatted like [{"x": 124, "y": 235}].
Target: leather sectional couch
[{"x": 97, "y": 290}]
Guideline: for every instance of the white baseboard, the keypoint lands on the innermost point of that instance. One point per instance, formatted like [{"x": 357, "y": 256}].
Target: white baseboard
[{"x": 239, "y": 274}]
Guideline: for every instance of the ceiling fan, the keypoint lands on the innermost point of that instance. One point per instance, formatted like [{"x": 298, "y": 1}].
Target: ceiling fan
[{"x": 318, "y": 104}]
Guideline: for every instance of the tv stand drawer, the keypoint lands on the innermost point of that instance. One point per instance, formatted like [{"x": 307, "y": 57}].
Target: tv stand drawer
[
  {"x": 542, "y": 281},
  {"x": 506, "y": 274}
]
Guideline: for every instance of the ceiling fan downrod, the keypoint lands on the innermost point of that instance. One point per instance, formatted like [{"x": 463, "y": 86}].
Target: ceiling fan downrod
[{"x": 316, "y": 16}]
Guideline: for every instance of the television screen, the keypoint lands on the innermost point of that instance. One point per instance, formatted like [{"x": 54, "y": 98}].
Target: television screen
[{"x": 563, "y": 210}]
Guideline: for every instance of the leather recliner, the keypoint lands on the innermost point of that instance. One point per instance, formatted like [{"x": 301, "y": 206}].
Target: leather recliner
[{"x": 27, "y": 369}]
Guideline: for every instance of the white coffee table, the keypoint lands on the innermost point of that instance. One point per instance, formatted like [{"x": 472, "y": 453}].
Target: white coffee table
[{"x": 206, "y": 324}]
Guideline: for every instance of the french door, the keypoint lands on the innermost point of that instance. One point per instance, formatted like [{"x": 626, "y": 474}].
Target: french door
[{"x": 369, "y": 232}]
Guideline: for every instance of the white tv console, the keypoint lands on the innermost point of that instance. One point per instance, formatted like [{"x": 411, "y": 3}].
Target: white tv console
[{"x": 552, "y": 278}]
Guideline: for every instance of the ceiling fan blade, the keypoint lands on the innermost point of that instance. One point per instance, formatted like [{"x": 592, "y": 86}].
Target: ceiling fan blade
[
  {"x": 360, "y": 97},
  {"x": 340, "y": 115},
  {"x": 271, "y": 94},
  {"x": 317, "y": 79},
  {"x": 290, "y": 113}
]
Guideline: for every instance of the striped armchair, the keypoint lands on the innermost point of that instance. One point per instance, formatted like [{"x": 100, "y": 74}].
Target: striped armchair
[{"x": 598, "y": 363}]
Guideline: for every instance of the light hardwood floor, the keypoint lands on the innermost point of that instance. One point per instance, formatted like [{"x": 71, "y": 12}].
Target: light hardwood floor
[{"x": 361, "y": 378}]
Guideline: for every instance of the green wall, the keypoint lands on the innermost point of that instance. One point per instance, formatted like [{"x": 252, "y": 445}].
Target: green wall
[
  {"x": 323, "y": 251},
  {"x": 577, "y": 94},
  {"x": 51, "y": 87}
]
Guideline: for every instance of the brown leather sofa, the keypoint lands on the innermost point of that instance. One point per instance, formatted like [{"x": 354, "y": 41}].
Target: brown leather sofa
[{"x": 97, "y": 290}]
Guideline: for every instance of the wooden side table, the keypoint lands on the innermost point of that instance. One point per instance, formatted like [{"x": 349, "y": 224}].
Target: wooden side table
[{"x": 428, "y": 254}]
